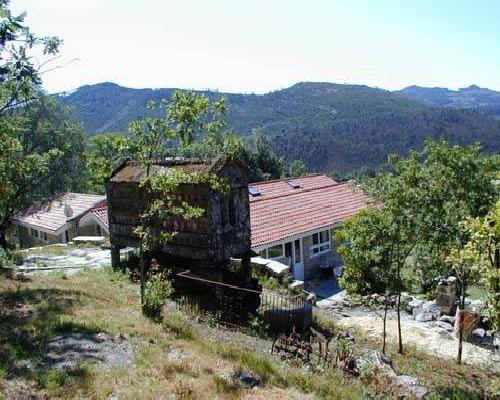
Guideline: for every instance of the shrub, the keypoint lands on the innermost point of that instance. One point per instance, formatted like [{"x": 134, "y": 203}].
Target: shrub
[{"x": 156, "y": 290}]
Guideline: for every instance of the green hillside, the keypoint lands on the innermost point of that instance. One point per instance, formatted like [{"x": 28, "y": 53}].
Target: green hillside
[
  {"x": 331, "y": 127},
  {"x": 484, "y": 100}
]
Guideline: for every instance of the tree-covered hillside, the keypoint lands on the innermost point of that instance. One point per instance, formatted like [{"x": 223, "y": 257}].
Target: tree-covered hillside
[
  {"x": 485, "y": 100},
  {"x": 331, "y": 127}
]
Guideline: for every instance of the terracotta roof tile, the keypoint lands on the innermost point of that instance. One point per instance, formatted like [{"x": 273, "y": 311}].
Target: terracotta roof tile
[
  {"x": 101, "y": 213},
  {"x": 281, "y": 212},
  {"x": 52, "y": 215}
]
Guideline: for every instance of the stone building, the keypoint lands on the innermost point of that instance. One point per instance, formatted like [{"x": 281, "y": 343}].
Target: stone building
[{"x": 224, "y": 230}]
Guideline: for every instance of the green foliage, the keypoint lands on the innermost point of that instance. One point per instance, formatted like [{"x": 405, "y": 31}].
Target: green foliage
[
  {"x": 427, "y": 194},
  {"x": 102, "y": 153},
  {"x": 19, "y": 77},
  {"x": 185, "y": 119},
  {"x": 367, "y": 250},
  {"x": 257, "y": 325},
  {"x": 480, "y": 257},
  {"x": 41, "y": 152},
  {"x": 331, "y": 127},
  {"x": 157, "y": 289},
  {"x": 297, "y": 168}
]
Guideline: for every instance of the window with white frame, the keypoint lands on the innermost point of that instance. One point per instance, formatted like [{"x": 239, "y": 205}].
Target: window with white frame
[
  {"x": 273, "y": 253},
  {"x": 320, "y": 243}
]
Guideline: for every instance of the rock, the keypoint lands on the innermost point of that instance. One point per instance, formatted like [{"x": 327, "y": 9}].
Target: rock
[
  {"x": 431, "y": 307},
  {"x": 409, "y": 386},
  {"x": 405, "y": 299},
  {"x": 447, "y": 318},
  {"x": 451, "y": 280},
  {"x": 415, "y": 303},
  {"x": 383, "y": 365},
  {"x": 248, "y": 379},
  {"x": 476, "y": 306},
  {"x": 479, "y": 332},
  {"x": 424, "y": 317},
  {"x": 445, "y": 325}
]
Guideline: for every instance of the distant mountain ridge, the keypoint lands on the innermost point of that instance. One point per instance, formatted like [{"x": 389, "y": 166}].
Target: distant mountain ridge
[
  {"x": 485, "y": 100},
  {"x": 329, "y": 126}
]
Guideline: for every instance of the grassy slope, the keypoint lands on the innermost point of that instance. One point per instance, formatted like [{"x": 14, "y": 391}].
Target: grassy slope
[{"x": 31, "y": 312}]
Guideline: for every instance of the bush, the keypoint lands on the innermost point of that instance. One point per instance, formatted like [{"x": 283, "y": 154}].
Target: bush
[{"x": 156, "y": 290}]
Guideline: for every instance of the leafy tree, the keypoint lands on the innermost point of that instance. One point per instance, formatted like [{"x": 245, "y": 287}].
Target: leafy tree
[
  {"x": 40, "y": 153},
  {"x": 102, "y": 153},
  {"x": 19, "y": 76},
  {"x": 434, "y": 190},
  {"x": 266, "y": 163},
  {"x": 185, "y": 120},
  {"x": 297, "y": 168},
  {"x": 368, "y": 252},
  {"x": 38, "y": 142},
  {"x": 423, "y": 198},
  {"x": 479, "y": 259}
]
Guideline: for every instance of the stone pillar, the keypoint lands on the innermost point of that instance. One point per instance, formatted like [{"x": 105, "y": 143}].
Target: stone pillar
[
  {"x": 446, "y": 296},
  {"x": 115, "y": 257}
]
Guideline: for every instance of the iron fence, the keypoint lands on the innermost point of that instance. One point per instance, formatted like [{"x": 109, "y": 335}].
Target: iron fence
[{"x": 235, "y": 305}]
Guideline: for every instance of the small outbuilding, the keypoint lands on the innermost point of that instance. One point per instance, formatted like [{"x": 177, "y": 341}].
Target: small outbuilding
[{"x": 222, "y": 233}]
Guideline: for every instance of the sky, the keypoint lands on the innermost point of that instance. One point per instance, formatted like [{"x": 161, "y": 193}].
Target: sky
[{"x": 256, "y": 46}]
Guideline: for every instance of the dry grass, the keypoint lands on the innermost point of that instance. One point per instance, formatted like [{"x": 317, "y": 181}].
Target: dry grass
[{"x": 172, "y": 358}]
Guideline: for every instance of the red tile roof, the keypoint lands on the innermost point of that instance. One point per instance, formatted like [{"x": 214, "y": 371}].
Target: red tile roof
[
  {"x": 54, "y": 214},
  {"x": 101, "y": 213},
  {"x": 281, "y": 211}
]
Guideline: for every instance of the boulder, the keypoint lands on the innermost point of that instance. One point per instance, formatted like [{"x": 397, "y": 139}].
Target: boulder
[
  {"x": 248, "y": 379},
  {"x": 476, "y": 306},
  {"x": 447, "y": 318},
  {"x": 409, "y": 386},
  {"x": 383, "y": 365},
  {"x": 424, "y": 317},
  {"x": 479, "y": 332},
  {"x": 432, "y": 308},
  {"x": 412, "y": 304},
  {"x": 445, "y": 325}
]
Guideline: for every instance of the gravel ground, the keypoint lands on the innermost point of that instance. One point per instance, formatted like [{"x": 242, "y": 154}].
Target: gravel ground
[{"x": 424, "y": 336}]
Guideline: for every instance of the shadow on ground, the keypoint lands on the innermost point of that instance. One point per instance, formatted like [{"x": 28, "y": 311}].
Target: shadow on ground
[{"x": 29, "y": 320}]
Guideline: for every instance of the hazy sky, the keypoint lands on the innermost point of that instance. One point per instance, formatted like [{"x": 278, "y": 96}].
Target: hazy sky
[{"x": 262, "y": 45}]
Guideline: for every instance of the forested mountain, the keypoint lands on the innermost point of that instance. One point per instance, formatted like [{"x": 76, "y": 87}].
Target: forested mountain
[
  {"x": 485, "y": 100},
  {"x": 331, "y": 127}
]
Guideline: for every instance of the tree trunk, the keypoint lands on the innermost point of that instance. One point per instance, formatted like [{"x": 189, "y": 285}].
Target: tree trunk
[
  {"x": 384, "y": 326},
  {"x": 460, "y": 322},
  {"x": 400, "y": 339},
  {"x": 142, "y": 261}
]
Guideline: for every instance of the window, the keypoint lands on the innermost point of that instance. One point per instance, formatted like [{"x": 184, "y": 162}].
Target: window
[
  {"x": 34, "y": 232},
  {"x": 254, "y": 192},
  {"x": 321, "y": 243},
  {"x": 44, "y": 236},
  {"x": 293, "y": 184},
  {"x": 275, "y": 251}
]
